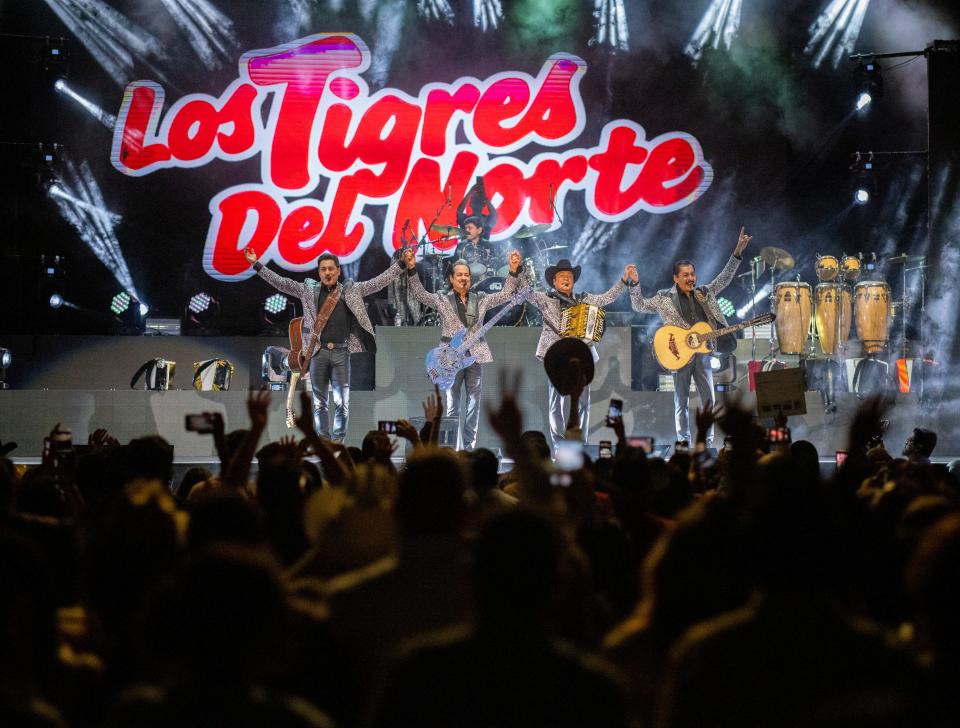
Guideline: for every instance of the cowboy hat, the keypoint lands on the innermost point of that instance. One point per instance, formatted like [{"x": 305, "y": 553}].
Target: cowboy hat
[
  {"x": 558, "y": 363},
  {"x": 562, "y": 264}
]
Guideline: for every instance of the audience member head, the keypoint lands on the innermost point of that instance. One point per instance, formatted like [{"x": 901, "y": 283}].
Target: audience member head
[
  {"x": 430, "y": 494},
  {"x": 516, "y": 564},
  {"x": 805, "y": 456},
  {"x": 920, "y": 444},
  {"x": 190, "y": 479},
  {"x": 536, "y": 442},
  {"x": 224, "y": 517},
  {"x": 484, "y": 467},
  {"x": 932, "y": 578},
  {"x": 147, "y": 458}
]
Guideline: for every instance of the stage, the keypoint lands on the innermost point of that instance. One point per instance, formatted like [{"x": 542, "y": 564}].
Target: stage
[{"x": 83, "y": 382}]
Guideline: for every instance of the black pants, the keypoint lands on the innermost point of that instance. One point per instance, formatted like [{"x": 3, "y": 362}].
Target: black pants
[{"x": 330, "y": 368}]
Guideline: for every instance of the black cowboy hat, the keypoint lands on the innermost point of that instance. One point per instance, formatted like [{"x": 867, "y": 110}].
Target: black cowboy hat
[
  {"x": 558, "y": 363},
  {"x": 562, "y": 265}
]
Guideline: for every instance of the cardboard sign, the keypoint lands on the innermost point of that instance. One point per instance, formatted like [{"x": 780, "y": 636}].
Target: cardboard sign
[{"x": 780, "y": 391}]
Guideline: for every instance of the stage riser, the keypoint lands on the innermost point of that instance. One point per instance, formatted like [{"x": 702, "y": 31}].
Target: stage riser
[{"x": 100, "y": 397}]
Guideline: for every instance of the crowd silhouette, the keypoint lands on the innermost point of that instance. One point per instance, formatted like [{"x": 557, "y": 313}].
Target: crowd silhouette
[{"x": 334, "y": 587}]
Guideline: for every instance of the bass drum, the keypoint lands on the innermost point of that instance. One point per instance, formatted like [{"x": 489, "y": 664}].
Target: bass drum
[{"x": 491, "y": 286}]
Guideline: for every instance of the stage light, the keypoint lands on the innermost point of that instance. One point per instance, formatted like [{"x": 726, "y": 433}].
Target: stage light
[
  {"x": 56, "y": 300},
  {"x": 760, "y": 295},
  {"x": 726, "y": 306},
  {"x": 436, "y": 10},
  {"x": 209, "y": 31},
  {"x": 487, "y": 14},
  {"x": 835, "y": 31},
  {"x": 611, "y": 19},
  {"x": 869, "y": 83},
  {"x": 718, "y": 25},
  {"x": 111, "y": 38},
  {"x": 275, "y": 303},
  {"x": 6, "y": 359},
  {"x": 864, "y": 179},
  {"x": 120, "y": 303},
  {"x": 80, "y": 201},
  {"x": 144, "y": 309},
  {"x": 108, "y": 120},
  {"x": 203, "y": 313}
]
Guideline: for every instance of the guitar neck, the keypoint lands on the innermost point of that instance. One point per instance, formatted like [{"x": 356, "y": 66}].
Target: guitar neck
[
  {"x": 736, "y": 327},
  {"x": 478, "y": 334}
]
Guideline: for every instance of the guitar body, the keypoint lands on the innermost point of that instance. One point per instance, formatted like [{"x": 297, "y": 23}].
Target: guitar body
[
  {"x": 295, "y": 331},
  {"x": 445, "y": 361},
  {"x": 675, "y": 346}
]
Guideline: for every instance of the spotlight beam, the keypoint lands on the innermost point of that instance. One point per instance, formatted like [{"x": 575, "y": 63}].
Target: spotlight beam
[
  {"x": 611, "y": 20},
  {"x": 487, "y": 14},
  {"x": 108, "y": 120},
  {"x": 718, "y": 25},
  {"x": 836, "y": 30},
  {"x": 209, "y": 31}
]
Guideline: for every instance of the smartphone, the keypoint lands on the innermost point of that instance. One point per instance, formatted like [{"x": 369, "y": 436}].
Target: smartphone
[
  {"x": 841, "y": 456},
  {"x": 614, "y": 412},
  {"x": 681, "y": 447},
  {"x": 778, "y": 434},
  {"x": 645, "y": 443},
  {"x": 569, "y": 455},
  {"x": 388, "y": 426},
  {"x": 606, "y": 449},
  {"x": 198, "y": 423}
]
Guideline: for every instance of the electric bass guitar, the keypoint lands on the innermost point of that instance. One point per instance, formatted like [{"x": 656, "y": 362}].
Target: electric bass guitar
[
  {"x": 674, "y": 346},
  {"x": 444, "y": 361}
]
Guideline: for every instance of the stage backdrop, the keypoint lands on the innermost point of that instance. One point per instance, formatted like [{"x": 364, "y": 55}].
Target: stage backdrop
[{"x": 146, "y": 142}]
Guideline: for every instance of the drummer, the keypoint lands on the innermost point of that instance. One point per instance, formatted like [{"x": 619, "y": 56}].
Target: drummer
[{"x": 475, "y": 225}]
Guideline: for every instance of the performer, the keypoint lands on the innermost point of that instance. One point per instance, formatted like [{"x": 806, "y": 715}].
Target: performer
[
  {"x": 561, "y": 278},
  {"x": 344, "y": 329},
  {"x": 684, "y": 305},
  {"x": 461, "y": 309},
  {"x": 476, "y": 225}
]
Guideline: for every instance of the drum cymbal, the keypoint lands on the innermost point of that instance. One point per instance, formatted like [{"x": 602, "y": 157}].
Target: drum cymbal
[
  {"x": 777, "y": 258},
  {"x": 528, "y": 231},
  {"x": 904, "y": 258},
  {"x": 446, "y": 229}
]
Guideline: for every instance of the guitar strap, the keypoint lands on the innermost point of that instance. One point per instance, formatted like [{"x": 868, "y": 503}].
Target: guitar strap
[
  {"x": 725, "y": 344},
  {"x": 323, "y": 315},
  {"x": 473, "y": 307}
]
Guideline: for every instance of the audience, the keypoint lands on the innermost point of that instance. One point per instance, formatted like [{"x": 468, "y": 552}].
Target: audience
[{"x": 745, "y": 589}]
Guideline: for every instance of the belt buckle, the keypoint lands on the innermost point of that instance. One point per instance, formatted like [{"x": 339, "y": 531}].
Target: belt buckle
[{"x": 330, "y": 345}]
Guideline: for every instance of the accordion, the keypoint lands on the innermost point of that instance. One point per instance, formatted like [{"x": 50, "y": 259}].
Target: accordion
[
  {"x": 157, "y": 374},
  {"x": 583, "y": 321},
  {"x": 212, "y": 375}
]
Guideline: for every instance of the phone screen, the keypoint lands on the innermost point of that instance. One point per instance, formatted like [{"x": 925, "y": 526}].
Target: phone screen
[
  {"x": 646, "y": 443},
  {"x": 569, "y": 455},
  {"x": 778, "y": 434},
  {"x": 606, "y": 449},
  {"x": 615, "y": 411},
  {"x": 198, "y": 423},
  {"x": 841, "y": 456},
  {"x": 388, "y": 426}
]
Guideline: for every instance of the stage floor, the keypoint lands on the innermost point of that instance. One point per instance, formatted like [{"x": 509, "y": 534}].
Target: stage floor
[{"x": 83, "y": 383}]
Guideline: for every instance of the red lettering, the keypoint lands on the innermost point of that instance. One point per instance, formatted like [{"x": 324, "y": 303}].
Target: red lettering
[
  {"x": 304, "y": 223},
  {"x": 385, "y": 136},
  {"x": 424, "y": 193},
  {"x": 229, "y": 221},
  {"x": 304, "y": 69},
  {"x": 139, "y": 114},
  {"x": 440, "y": 108}
]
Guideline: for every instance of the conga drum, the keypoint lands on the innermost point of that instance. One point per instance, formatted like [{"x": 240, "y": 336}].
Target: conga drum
[
  {"x": 833, "y": 318},
  {"x": 792, "y": 304},
  {"x": 827, "y": 268},
  {"x": 850, "y": 267},
  {"x": 872, "y": 307}
]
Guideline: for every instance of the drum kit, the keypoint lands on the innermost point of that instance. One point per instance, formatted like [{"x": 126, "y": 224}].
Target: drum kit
[
  {"x": 839, "y": 301},
  {"x": 488, "y": 274}
]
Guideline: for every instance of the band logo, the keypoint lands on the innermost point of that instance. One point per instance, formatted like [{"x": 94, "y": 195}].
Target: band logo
[{"x": 328, "y": 148}]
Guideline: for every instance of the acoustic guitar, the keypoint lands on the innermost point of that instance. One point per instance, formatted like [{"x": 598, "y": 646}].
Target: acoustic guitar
[{"x": 674, "y": 346}]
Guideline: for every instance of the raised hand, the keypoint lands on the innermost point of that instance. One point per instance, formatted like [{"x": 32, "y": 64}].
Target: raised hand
[
  {"x": 250, "y": 255},
  {"x": 409, "y": 259},
  {"x": 630, "y": 273},
  {"x": 258, "y": 402},
  {"x": 407, "y": 431},
  {"x": 515, "y": 261},
  {"x": 742, "y": 242},
  {"x": 100, "y": 439},
  {"x": 506, "y": 420},
  {"x": 304, "y": 421},
  {"x": 433, "y": 406},
  {"x": 704, "y": 420}
]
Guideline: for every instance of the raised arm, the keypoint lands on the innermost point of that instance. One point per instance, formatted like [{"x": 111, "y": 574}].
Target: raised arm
[
  {"x": 413, "y": 282},
  {"x": 513, "y": 283},
  {"x": 393, "y": 271},
  {"x": 641, "y": 304},
  {"x": 726, "y": 275},
  {"x": 284, "y": 285},
  {"x": 605, "y": 299}
]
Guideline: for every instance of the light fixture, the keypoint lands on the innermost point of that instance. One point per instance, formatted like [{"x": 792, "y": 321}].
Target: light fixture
[
  {"x": 726, "y": 306},
  {"x": 277, "y": 312},
  {"x": 56, "y": 300},
  {"x": 869, "y": 83},
  {"x": 864, "y": 179},
  {"x": 120, "y": 303},
  {"x": 6, "y": 359},
  {"x": 203, "y": 314}
]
